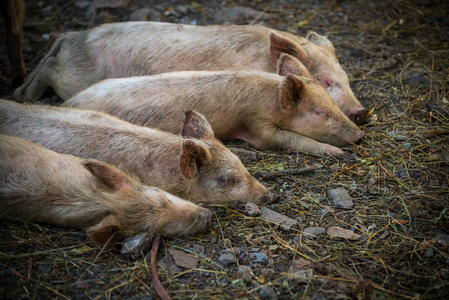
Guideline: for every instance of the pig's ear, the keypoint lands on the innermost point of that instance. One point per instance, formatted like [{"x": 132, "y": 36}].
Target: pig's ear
[
  {"x": 293, "y": 88},
  {"x": 105, "y": 231},
  {"x": 193, "y": 157},
  {"x": 109, "y": 175},
  {"x": 280, "y": 45},
  {"x": 196, "y": 126},
  {"x": 288, "y": 64},
  {"x": 320, "y": 40}
]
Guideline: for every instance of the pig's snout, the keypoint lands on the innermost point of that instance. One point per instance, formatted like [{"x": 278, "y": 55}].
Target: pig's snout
[
  {"x": 360, "y": 135},
  {"x": 359, "y": 116},
  {"x": 269, "y": 198}
]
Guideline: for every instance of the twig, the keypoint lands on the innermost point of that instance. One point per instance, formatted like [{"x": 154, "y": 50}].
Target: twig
[
  {"x": 266, "y": 176},
  {"x": 156, "y": 282}
]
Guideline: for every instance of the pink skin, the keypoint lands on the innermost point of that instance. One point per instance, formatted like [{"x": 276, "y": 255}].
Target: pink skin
[
  {"x": 40, "y": 185},
  {"x": 79, "y": 59},
  {"x": 195, "y": 166}
]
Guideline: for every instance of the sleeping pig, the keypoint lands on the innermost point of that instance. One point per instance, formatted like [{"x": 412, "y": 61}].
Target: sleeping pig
[
  {"x": 40, "y": 185},
  {"x": 195, "y": 166},
  {"x": 267, "y": 110},
  {"x": 80, "y": 59}
]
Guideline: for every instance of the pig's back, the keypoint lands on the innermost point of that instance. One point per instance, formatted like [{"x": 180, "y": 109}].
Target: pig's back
[
  {"x": 159, "y": 101},
  {"x": 33, "y": 178},
  {"x": 144, "y": 48}
]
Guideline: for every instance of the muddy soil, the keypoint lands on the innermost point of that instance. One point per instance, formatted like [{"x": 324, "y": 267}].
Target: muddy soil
[{"x": 396, "y": 246}]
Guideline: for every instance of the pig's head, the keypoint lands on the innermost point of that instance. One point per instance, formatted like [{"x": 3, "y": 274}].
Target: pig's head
[
  {"x": 138, "y": 208},
  {"x": 306, "y": 108},
  {"x": 215, "y": 173},
  {"x": 318, "y": 56}
]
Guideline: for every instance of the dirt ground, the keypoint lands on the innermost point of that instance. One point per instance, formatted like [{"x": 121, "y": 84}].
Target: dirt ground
[{"x": 396, "y": 54}]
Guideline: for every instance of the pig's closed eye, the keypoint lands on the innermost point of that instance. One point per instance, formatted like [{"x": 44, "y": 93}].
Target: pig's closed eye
[
  {"x": 226, "y": 180},
  {"x": 326, "y": 82}
]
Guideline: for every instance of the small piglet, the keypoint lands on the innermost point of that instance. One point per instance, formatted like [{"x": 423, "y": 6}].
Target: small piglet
[
  {"x": 80, "y": 59},
  {"x": 265, "y": 109},
  {"x": 195, "y": 166},
  {"x": 40, "y": 185}
]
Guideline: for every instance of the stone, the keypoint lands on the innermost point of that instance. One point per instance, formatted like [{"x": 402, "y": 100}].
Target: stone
[
  {"x": 252, "y": 209},
  {"x": 236, "y": 250},
  {"x": 325, "y": 211},
  {"x": 341, "y": 198},
  {"x": 145, "y": 14},
  {"x": 284, "y": 222},
  {"x": 338, "y": 232},
  {"x": 172, "y": 267},
  {"x": 111, "y": 3},
  {"x": 442, "y": 238},
  {"x": 267, "y": 292},
  {"x": 244, "y": 154},
  {"x": 226, "y": 259},
  {"x": 82, "y": 4},
  {"x": 300, "y": 271},
  {"x": 198, "y": 249},
  {"x": 257, "y": 257},
  {"x": 313, "y": 232},
  {"x": 182, "y": 9},
  {"x": 184, "y": 260},
  {"x": 136, "y": 244},
  {"x": 239, "y": 15}
]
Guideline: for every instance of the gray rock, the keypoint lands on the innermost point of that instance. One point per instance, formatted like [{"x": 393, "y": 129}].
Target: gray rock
[
  {"x": 145, "y": 14},
  {"x": 213, "y": 238},
  {"x": 267, "y": 292},
  {"x": 258, "y": 257},
  {"x": 226, "y": 259},
  {"x": 443, "y": 238},
  {"x": 136, "y": 244},
  {"x": 183, "y": 259},
  {"x": 340, "y": 197},
  {"x": 252, "y": 210},
  {"x": 43, "y": 269},
  {"x": 340, "y": 233},
  {"x": 313, "y": 232},
  {"x": 182, "y": 9},
  {"x": 284, "y": 222},
  {"x": 418, "y": 81},
  {"x": 82, "y": 4},
  {"x": 236, "y": 250},
  {"x": 172, "y": 267},
  {"x": 239, "y": 15},
  {"x": 325, "y": 211},
  {"x": 111, "y": 3},
  {"x": 198, "y": 249},
  {"x": 244, "y": 154}
]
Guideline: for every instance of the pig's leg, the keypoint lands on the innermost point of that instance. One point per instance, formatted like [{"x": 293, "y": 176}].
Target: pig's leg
[
  {"x": 277, "y": 138},
  {"x": 38, "y": 81}
]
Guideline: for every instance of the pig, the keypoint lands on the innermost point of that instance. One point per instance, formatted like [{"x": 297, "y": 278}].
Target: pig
[
  {"x": 40, "y": 185},
  {"x": 80, "y": 59},
  {"x": 13, "y": 15},
  {"x": 267, "y": 110},
  {"x": 195, "y": 166}
]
